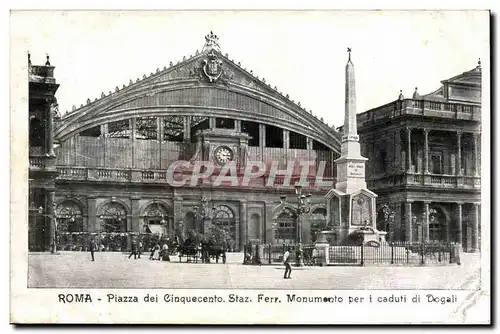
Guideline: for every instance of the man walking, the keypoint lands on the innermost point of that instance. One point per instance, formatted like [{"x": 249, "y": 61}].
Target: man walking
[
  {"x": 288, "y": 269},
  {"x": 93, "y": 248},
  {"x": 139, "y": 250},
  {"x": 134, "y": 250}
]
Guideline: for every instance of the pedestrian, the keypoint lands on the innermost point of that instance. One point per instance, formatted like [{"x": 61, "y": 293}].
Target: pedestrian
[
  {"x": 134, "y": 251},
  {"x": 139, "y": 250},
  {"x": 288, "y": 269},
  {"x": 93, "y": 248}
]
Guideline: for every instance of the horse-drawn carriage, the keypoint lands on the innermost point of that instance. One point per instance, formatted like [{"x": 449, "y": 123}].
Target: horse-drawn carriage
[{"x": 206, "y": 250}]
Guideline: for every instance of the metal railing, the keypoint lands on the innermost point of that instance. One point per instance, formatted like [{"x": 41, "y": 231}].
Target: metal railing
[{"x": 394, "y": 253}]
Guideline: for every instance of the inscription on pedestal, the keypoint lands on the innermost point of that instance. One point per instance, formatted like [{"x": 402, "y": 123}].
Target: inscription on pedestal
[{"x": 355, "y": 169}]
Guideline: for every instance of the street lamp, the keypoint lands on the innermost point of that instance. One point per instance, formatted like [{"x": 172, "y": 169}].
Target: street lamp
[{"x": 303, "y": 206}]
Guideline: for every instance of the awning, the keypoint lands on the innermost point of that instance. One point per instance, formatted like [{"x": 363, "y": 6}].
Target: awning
[{"x": 155, "y": 229}]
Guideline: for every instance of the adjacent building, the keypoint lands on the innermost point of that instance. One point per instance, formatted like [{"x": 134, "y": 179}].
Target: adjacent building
[
  {"x": 42, "y": 158},
  {"x": 425, "y": 162}
]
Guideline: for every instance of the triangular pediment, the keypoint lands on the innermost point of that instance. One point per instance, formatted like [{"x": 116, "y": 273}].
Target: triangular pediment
[
  {"x": 207, "y": 81},
  {"x": 472, "y": 77}
]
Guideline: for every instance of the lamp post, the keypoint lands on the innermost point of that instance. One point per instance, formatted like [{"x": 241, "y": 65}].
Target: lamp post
[{"x": 303, "y": 206}]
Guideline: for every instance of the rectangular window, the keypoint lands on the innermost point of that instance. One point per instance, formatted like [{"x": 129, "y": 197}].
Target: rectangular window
[
  {"x": 437, "y": 164},
  {"x": 146, "y": 128},
  {"x": 252, "y": 128},
  {"x": 92, "y": 132},
  {"x": 173, "y": 128},
  {"x": 119, "y": 129},
  {"x": 224, "y": 123},
  {"x": 298, "y": 141},
  {"x": 274, "y": 136}
]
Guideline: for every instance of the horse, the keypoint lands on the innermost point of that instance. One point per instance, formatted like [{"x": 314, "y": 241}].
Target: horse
[
  {"x": 216, "y": 250},
  {"x": 189, "y": 249}
]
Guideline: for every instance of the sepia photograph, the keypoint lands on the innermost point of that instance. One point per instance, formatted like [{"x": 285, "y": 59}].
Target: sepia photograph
[{"x": 232, "y": 151}]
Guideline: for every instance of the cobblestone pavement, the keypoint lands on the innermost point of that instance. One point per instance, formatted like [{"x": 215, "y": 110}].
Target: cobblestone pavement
[{"x": 115, "y": 270}]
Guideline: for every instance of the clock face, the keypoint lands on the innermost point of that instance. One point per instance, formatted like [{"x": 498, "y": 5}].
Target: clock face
[{"x": 223, "y": 155}]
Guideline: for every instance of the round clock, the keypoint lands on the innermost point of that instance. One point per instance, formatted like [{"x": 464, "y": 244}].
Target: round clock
[{"x": 223, "y": 155}]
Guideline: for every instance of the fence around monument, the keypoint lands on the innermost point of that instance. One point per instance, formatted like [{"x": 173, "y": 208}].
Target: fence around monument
[{"x": 391, "y": 253}]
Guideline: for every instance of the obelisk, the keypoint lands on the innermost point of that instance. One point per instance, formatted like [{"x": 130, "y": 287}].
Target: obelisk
[
  {"x": 350, "y": 165},
  {"x": 350, "y": 206}
]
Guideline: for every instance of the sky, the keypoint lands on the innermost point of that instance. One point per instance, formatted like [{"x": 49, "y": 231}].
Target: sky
[{"x": 303, "y": 53}]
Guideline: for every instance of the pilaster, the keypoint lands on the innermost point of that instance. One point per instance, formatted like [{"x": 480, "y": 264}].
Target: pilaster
[
  {"x": 92, "y": 214},
  {"x": 475, "y": 228},
  {"x": 50, "y": 219},
  {"x": 459, "y": 153},
  {"x": 477, "y": 168},
  {"x": 426, "y": 151},
  {"x": 136, "y": 226},
  {"x": 243, "y": 223},
  {"x": 408, "y": 149},
  {"x": 408, "y": 221},
  {"x": 426, "y": 220},
  {"x": 286, "y": 139},
  {"x": 132, "y": 139},
  {"x": 49, "y": 130},
  {"x": 459, "y": 223}
]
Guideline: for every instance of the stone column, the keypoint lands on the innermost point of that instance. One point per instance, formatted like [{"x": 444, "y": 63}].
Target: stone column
[
  {"x": 286, "y": 139},
  {"x": 426, "y": 151},
  {"x": 132, "y": 139},
  {"x": 136, "y": 215},
  {"x": 475, "y": 229},
  {"x": 159, "y": 135},
  {"x": 50, "y": 219},
  {"x": 237, "y": 125},
  {"x": 262, "y": 139},
  {"x": 92, "y": 214},
  {"x": 309, "y": 143},
  {"x": 408, "y": 222},
  {"x": 408, "y": 149},
  {"x": 187, "y": 128},
  {"x": 426, "y": 220},
  {"x": 243, "y": 223},
  {"x": 459, "y": 153},
  {"x": 104, "y": 130},
  {"x": 395, "y": 234},
  {"x": 477, "y": 168},
  {"x": 178, "y": 211},
  {"x": 211, "y": 122},
  {"x": 49, "y": 130},
  {"x": 459, "y": 223}
]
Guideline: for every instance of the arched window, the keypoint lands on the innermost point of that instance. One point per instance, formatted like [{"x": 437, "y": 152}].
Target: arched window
[
  {"x": 113, "y": 218},
  {"x": 157, "y": 219},
  {"x": 69, "y": 217},
  {"x": 318, "y": 222},
  {"x": 286, "y": 227},
  {"x": 224, "y": 219}
]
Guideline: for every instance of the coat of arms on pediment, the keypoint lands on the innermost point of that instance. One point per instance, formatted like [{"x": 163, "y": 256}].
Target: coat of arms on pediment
[{"x": 212, "y": 67}]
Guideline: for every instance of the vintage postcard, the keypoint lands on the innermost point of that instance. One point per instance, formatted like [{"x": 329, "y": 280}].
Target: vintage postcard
[{"x": 250, "y": 167}]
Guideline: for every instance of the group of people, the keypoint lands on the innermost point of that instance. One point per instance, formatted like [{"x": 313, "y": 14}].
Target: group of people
[{"x": 159, "y": 253}]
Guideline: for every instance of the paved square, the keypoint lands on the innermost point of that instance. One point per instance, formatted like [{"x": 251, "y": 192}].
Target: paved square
[{"x": 115, "y": 270}]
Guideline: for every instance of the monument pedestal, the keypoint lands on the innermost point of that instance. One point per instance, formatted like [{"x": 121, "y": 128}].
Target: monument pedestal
[{"x": 322, "y": 247}]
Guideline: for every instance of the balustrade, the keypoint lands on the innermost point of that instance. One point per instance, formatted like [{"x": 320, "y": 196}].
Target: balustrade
[
  {"x": 410, "y": 106},
  {"x": 36, "y": 162}
]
